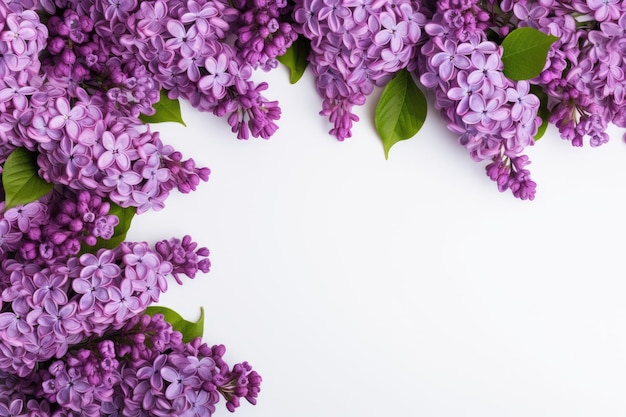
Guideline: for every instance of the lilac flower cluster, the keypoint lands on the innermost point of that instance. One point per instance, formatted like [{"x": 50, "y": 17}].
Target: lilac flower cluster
[
  {"x": 74, "y": 339},
  {"x": 584, "y": 76},
  {"x": 356, "y": 45},
  {"x": 143, "y": 368},
  {"x": 263, "y": 31},
  {"x": 57, "y": 225},
  {"x": 495, "y": 118},
  {"x": 52, "y": 296},
  {"x": 68, "y": 96},
  {"x": 186, "y": 47}
]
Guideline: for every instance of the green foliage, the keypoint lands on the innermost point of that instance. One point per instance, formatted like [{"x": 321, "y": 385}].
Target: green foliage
[
  {"x": 21, "y": 183},
  {"x": 525, "y": 53},
  {"x": 296, "y": 58},
  {"x": 125, "y": 215},
  {"x": 167, "y": 110},
  {"x": 401, "y": 110},
  {"x": 190, "y": 330}
]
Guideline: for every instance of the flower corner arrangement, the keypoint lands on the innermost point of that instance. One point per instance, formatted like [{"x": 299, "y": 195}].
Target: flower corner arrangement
[{"x": 84, "y": 82}]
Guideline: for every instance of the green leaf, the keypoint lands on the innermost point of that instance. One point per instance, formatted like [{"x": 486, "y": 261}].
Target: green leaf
[
  {"x": 125, "y": 216},
  {"x": 525, "y": 53},
  {"x": 167, "y": 110},
  {"x": 543, "y": 112},
  {"x": 401, "y": 110},
  {"x": 190, "y": 330},
  {"x": 296, "y": 58},
  {"x": 21, "y": 183}
]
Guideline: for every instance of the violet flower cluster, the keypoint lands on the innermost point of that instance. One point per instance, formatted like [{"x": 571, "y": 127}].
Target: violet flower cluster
[
  {"x": 68, "y": 96},
  {"x": 74, "y": 339},
  {"x": 356, "y": 45},
  {"x": 141, "y": 369},
  {"x": 453, "y": 48},
  {"x": 584, "y": 75},
  {"x": 495, "y": 118},
  {"x": 75, "y": 77}
]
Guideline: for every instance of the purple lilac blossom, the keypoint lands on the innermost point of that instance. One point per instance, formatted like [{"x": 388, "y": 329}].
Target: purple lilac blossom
[
  {"x": 356, "y": 45},
  {"x": 73, "y": 335},
  {"x": 584, "y": 76},
  {"x": 495, "y": 118}
]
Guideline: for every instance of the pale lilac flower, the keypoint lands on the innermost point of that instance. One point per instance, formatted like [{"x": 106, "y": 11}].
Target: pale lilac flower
[
  {"x": 50, "y": 286},
  {"x": 462, "y": 93},
  {"x": 525, "y": 105},
  {"x": 218, "y": 78},
  {"x": 18, "y": 33},
  {"x": 178, "y": 381},
  {"x": 93, "y": 290},
  {"x": 392, "y": 32},
  {"x": 60, "y": 320},
  {"x": 605, "y": 9},
  {"x": 102, "y": 266},
  {"x": 116, "y": 151},
  {"x": 484, "y": 112},
  {"x": 122, "y": 302},
  {"x": 67, "y": 117},
  {"x": 12, "y": 91}
]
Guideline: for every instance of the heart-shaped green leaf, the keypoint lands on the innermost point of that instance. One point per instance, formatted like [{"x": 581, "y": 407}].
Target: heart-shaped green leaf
[
  {"x": 21, "y": 183},
  {"x": 401, "y": 110},
  {"x": 190, "y": 330},
  {"x": 524, "y": 53},
  {"x": 296, "y": 58},
  {"x": 167, "y": 110}
]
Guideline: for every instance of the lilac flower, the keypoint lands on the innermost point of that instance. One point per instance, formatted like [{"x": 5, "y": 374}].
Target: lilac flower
[
  {"x": 152, "y": 14},
  {"x": 488, "y": 69},
  {"x": 525, "y": 105},
  {"x": 462, "y": 93},
  {"x": 11, "y": 91},
  {"x": 60, "y": 320},
  {"x": 152, "y": 373},
  {"x": 73, "y": 390},
  {"x": 187, "y": 41},
  {"x": 67, "y": 117},
  {"x": 199, "y": 404},
  {"x": 605, "y": 9},
  {"x": 93, "y": 289},
  {"x": 14, "y": 409},
  {"x": 14, "y": 323},
  {"x": 122, "y": 301},
  {"x": 392, "y": 32},
  {"x": 25, "y": 215},
  {"x": 448, "y": 60},
  {"x": 333, "y": 11},
  {"x": 116, "y": 151},
  {"x": 118, "y": 8},
  {"x": 178, "y": 380},
  {"x": 18, "y": 33},
  {"x": 50, "y": 286},
  {"x": 71, "y": 158},
  {"x": 218, "y": 78},
  {"x": 102, "y": 266},
  {"x": 484, "y": 111}
]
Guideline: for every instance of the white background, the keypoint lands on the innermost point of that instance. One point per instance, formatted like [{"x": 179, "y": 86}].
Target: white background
[{"x": 359, "y": 286}]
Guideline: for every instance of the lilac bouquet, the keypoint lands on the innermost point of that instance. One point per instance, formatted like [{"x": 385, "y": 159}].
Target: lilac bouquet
[
  {"x": 79, "y": 81},
  {"x": 83, "y": 81},
  {"x": 498, "y": 71}
]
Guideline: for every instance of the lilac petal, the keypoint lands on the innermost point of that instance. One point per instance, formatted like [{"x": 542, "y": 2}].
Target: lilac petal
[
  {"x": 106, "y": 160},
  {"x": 57, "y": 122}
]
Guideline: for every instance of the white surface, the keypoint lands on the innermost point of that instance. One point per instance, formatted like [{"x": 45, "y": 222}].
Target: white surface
[{"x": 363, "y": 287}]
